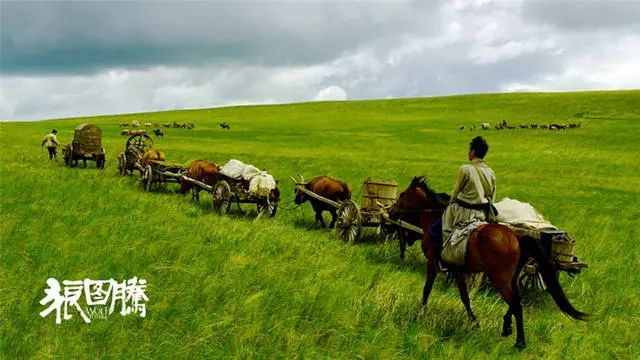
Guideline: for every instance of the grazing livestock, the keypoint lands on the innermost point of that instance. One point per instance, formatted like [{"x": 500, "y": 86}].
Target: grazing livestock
[
  {"x": 534, "y": 125},
  {"x": 524, "y": 126},
  {"x": 124, "y": 124},
  {"x": 167, "y": 125},
  {"x": 135, "y": 123},
  {"x": 203, "y": 171},
  {"x": 328, "y": 188},
  {"x": 224, "y": 125},
  {"x": 147, "y": 124},
  {"x": 461, "y": 127},
  {"x": 158, "y": 132},
  {"x": 557, "y": 127},
  {"x": 151, "y": 155},
  {"x": 125, "y": 132},
  {"x": 511, "y": 127},
  {"x": 486, "y": 126},
  {"x": 190, "y": 126}
]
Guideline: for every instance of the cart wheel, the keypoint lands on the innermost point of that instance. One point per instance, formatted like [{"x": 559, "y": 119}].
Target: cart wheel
[
  {"x": 140, "y": 142},
  {"x": 266, "y": 208},
  {"x": 221, "y": 197},
  {"x": 122, "y": 164},
  {"x": 69, "y": 156},
  {"x": 147, "y": 178},
  {"x": 530, "y": 278},
  {"x": 349, "y": 220}
]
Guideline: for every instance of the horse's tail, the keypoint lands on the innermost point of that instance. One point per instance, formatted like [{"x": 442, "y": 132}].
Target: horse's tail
[{"x": 548, "y": 271}]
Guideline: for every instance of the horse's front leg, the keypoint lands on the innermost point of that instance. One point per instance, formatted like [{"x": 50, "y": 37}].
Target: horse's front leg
[{"x": 432, "y": 271}]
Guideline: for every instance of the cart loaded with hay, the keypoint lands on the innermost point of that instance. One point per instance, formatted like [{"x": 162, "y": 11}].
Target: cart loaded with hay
[{"x": 86, "y": 145}]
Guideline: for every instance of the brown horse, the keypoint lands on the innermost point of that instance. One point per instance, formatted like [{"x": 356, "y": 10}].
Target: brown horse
[
  {"x": 328, "y": 188},
  {"x": 203, "y": 171},
  {"x": 493, "y": 249}
]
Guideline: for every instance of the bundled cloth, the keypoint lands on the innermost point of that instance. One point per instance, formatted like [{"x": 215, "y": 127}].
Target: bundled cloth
[
  {"x": 260, "y": 182},
  {"x": 516, "y": 213}
]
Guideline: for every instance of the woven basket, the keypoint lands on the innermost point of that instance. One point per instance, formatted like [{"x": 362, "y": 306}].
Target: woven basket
[
  {"x": 562, "y": 248},
  {"x": 375, "y": 192}
]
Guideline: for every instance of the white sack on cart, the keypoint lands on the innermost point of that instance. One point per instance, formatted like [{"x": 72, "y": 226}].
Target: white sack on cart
[
  {"x": 262, "y": 184},
  {"x": 233, "y": 169},
  {"x": 249, "y": 171},
  {"x": 517, "y": 213}
]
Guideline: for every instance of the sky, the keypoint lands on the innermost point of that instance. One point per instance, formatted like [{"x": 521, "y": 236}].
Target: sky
[{"x": 82, "y": 58}]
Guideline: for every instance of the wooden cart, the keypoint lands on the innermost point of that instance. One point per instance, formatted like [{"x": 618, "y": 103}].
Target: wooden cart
[
  {"x": 86, "y": 145},
  {"x": 351, "y": 217},
  {"x": 228, "y": 190},
  {"x": 136, "y": 146},
  {"x": 560, "y": 248},
  {"x": 160, "y": 172}
]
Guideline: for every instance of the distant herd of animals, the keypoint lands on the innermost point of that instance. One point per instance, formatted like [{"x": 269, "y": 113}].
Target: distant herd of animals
[
  {"x": 502, "y": 125},
  {"x": 157, "y": 131}
]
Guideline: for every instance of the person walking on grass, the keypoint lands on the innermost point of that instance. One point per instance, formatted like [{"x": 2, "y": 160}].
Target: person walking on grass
[{"x": 51, "y": 142}]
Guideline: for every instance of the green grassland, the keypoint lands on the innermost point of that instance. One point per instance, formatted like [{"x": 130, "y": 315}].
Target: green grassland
[{"x": 234, "y": 286}]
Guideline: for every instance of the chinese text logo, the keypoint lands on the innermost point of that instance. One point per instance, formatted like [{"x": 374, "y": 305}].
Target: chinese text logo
[{"x": 102, "y": 298}]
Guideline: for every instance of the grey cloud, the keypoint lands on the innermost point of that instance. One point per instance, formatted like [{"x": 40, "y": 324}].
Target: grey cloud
[
  {"x": 588, "y": 15},
  {"x": 81, "y": 37}
]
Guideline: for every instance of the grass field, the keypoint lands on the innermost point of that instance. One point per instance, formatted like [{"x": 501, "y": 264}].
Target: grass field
[{"x": 236, "y": 287}]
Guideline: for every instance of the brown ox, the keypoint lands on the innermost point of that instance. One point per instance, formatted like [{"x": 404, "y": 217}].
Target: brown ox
[
  {"x": 151, "y": 155},
  {"x": 328, "y": 188},
  {"x": 203, "y": 171}
]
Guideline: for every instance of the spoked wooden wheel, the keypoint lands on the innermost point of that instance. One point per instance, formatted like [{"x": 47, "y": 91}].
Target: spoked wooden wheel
[
  {"x": 147, "y": 178},
  {"x": 140, "y": 142},
  {"x": 530, "y": 278},
  {"x": 349, "y": 221},
  {"x": 267, "y": 208},
  {"x": 122, "y": 164},
  {"x": 221, "y": 197}
]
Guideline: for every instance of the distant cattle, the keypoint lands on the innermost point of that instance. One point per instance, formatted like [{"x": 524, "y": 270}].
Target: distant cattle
[
  {"x": 125, "y": 132},
  {"x": 135, "y": 123},
  {"x": 158, "y": 132},
  {"x": 148, "y": 124},
  {"x": 167, "y": 125},
  {"x": 524, "y": 126},
  {"x": 224, "y": 125},
  {"x": 203, "y": 171},
  {"x": 557, "y": 127},
  {"x": 461, "y": 127},
  {"x": 534, "y": 125},
  {"x": 328, "y": 188},
  {"x": 486, "y": 126},
  {"x": 124, "y": 124}
]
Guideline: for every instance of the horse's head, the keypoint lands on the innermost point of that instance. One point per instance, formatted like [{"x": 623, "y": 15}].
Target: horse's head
[{"x": 418, "y": 197}]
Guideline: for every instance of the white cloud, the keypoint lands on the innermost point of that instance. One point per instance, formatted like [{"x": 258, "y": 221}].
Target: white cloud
[{"x": 331, "y": 93}]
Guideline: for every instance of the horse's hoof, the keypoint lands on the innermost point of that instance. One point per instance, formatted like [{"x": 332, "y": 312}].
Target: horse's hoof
[
  {"x": 506, "y": 332},
  {"x": 519, "y": 345}
]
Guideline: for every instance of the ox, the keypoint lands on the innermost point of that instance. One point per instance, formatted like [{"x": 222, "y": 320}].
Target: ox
[
  {"x": 328, "y": 188},
  {"x": 203, "y": 171},
  {"x": 151, "y": 155}
]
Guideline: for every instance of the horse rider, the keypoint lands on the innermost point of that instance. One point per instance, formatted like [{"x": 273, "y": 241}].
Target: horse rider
[
  {"x": 51, "y": 141},
  {"x": 474, "y": 194}
]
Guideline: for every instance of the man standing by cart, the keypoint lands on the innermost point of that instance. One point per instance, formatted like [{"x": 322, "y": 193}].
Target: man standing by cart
[
  {"x": 471, "y": 202},
  {"x": 51, "y": 142}
]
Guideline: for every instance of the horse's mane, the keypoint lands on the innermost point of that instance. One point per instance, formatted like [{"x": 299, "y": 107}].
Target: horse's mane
[{"x": 421, "y": 182}]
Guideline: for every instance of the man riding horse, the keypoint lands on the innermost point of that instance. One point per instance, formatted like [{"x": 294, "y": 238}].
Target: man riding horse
[{"x": 471, "y": 202}]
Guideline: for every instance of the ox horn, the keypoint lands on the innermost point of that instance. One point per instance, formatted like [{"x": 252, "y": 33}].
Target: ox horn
[
  {"x": 301, "y": 178},
  {"x": 293, "y": 179}
]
